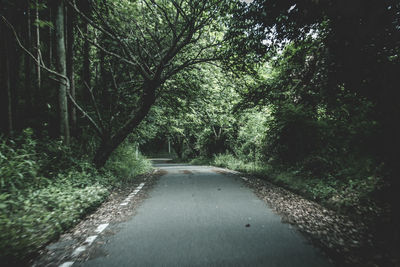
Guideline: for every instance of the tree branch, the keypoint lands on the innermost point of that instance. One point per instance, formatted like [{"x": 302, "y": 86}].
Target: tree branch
[
  {"x": 95, "y": 106},
  {"x": 84, "y": 113},
  {"x": 113, "y": 36}
]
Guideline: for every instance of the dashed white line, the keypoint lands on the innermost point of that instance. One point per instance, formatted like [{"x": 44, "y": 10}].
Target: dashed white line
[
  {"x": 90, "y": 240},
  {"x": 87, "y": 243},
  {"x": 67, "y": 264},
  {"x": 98, "y": 230},
  {"x": 101, "y": 227},
  {"x": 78, "y": 251},
  {"x": 131, "y": 195}
]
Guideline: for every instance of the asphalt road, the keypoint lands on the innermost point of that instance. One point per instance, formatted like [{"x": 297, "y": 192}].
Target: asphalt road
[{"x": 195, "y": 216}]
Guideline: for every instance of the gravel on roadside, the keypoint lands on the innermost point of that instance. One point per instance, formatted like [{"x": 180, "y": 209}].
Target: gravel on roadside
[{"x": 346, "y": 241}]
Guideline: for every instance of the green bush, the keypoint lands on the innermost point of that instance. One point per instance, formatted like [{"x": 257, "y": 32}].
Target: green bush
[
  {"x": 293, "y": 134},
  {"x": 31, "y": 219},
  {"x": 125, "y": 164},
  {"x": 18, "y": 162},
  {"x": 228, "y": 161},
  {"x": 231, "y": 162}
]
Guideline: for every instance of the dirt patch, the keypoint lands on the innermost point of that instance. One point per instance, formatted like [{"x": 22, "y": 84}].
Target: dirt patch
[
  {"x": 220, "y": 171},
  {"x": 186, "y": 172},
  {"x": 161, "y": 172},
  {"x": 110, "y": 212}
]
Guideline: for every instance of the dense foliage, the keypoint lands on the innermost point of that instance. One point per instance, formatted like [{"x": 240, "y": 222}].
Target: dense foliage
[
  {"x": 303, "y": 93},
  {"x": 45, "y": 189},
  {"x": 313, "y": 105}
]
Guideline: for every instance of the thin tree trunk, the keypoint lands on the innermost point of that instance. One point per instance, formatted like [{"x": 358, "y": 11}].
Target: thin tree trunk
[
  {"x": 28, "y": 62},
  {"x": 50, "y": 48},
  {"x": 86, "y": 62},
  {"x": 70, "y": 64},
  {"x": 61, "y": 68},
  {"x": 3, "y": 82},
  {"x": 86, "y": 74},
  {"x": 39, "y": 79},
  {"x": 14, "y": 62},
  {"x": 9, "y": 98}
]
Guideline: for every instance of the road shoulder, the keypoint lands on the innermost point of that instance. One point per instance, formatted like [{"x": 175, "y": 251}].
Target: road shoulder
[{"x": 65, "y": 249}]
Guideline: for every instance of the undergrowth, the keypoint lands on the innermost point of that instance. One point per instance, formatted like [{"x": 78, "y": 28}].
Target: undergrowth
[
  {"x": 45, "y": 188},
  {"x": 351, "y": 193}
]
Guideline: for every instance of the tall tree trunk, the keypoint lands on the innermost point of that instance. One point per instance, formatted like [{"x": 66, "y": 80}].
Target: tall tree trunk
[
  {"x": 61, "y": 68},
  {"x": 86, "y": 62},
  {"x": 28, "y": 62},
  {"x": 14, "y": 65},
  {"x": 50, "y": 40},
  {"x": 86, "y": 52},
  {"x": 109, "y": 144},
  {"x": 8, "y": 90},
  {"x": 3, "y": 81},
  {"x": 70, "y": 64},
  {"x": 39, "y": 79}
]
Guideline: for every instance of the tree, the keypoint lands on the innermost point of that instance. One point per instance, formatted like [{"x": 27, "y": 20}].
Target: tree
[
  {"x": 85, "y": 8},
  {"x": 38, "y": 54},
  {"x": 63, "y": 87},
  {"x": 154, "y": 40},
  {"x": 70, "y": 38}
]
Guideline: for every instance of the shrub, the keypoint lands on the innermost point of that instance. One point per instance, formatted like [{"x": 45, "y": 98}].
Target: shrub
[
  {"x": 294, "y": 134},
  {"x": 125, "y": 164},
  {"x": 31, "y": 219},
  {"x": 18, "y": 162},
  {"x": 228, "y": 161},
  {"x": 231, "y": 162}
]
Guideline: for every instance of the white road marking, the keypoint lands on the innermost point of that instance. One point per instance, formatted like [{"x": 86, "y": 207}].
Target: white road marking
[
  {"x": 101, "y": 227},
  {"x": 67, "y": 264},
  {"x": 131, "y": 195},
  {"x": 78, "y": 251},
  {"x": 90, "y": 240},
  {"x": 98, "y": 230},
  {"x": 87, "y": 243}
]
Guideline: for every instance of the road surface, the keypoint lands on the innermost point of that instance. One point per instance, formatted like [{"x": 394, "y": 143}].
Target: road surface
[{"x": 196, "y": 216}]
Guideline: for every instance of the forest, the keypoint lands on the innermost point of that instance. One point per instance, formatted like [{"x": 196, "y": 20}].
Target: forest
[{"x": 304, "y": 94}]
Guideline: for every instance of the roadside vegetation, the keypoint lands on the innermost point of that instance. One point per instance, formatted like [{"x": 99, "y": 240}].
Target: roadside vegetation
[{"x": 46, "y": 188}]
